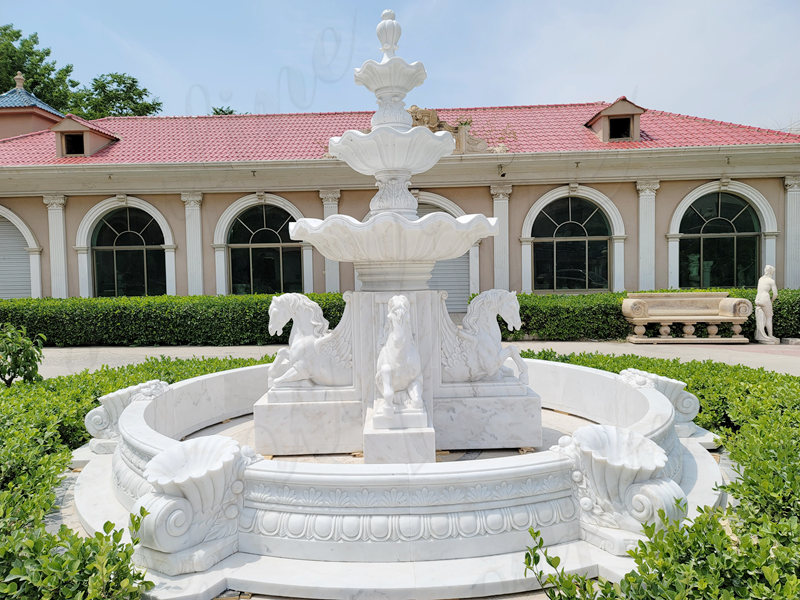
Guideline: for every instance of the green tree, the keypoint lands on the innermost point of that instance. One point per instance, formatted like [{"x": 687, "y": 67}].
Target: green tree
[
  {"x": 114, "y": 94},
  {"x": 110, "y": 94},
  {"x": 50, "y": 83},
  {"x": 222, "y": 110}
]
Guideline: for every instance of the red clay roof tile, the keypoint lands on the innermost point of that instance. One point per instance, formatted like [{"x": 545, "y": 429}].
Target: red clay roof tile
[{"x": 299, "y": 136}]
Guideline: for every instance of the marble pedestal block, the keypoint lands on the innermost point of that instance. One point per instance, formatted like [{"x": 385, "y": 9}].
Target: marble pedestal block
[
  {"x": 306, "y": 421},
  {"x": 390, "y": 446},
  {"x": 484, "y": 416}
]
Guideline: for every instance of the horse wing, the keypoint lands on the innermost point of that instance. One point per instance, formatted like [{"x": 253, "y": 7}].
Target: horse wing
[{"x": 338, "y": 343}]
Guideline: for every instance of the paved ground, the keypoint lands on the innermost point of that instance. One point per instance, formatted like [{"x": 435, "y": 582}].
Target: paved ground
[{"x": 784, "y": 358}]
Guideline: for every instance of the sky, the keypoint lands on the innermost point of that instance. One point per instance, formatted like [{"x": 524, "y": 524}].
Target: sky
[{"x": 731, "y": 60}]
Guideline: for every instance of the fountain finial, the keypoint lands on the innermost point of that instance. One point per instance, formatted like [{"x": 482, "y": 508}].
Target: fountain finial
[{"x": 388, "y": 31}]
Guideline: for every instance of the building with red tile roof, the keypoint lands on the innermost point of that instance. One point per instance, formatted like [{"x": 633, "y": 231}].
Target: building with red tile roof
[{"x": 590, "y": 196}]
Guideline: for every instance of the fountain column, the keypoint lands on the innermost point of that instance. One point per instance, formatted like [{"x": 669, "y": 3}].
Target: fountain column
[{"x": 390, "y": 368}]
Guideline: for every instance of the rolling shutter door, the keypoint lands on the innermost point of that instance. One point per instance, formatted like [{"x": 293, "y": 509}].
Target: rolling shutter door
[
  {"x": 15, "y": 268},
  {"x": 451, "y": 275}
]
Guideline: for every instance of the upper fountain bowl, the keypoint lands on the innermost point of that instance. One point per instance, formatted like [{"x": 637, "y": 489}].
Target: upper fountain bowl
[
  {"x": 391, "y": 251},
  {"x": 387, "y": 149}
]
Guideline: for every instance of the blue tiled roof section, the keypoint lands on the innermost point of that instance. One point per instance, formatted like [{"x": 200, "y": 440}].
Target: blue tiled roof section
[{"x": 20, "y": 98}]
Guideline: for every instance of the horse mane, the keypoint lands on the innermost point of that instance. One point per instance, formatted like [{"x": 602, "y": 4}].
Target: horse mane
[
  {"x": 477, "y": 306},
  {"x": 298, "y": 302}
]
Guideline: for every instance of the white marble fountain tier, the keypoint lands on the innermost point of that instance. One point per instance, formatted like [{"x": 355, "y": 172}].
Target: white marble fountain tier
[{"x": 390, "y": 251}]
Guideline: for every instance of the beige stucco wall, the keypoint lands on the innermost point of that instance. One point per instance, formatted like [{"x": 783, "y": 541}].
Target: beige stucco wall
[
  {"x": 476, "y": 199},
  {"x": 33, "y": 213},
  {"x": 12, "y": 124}
]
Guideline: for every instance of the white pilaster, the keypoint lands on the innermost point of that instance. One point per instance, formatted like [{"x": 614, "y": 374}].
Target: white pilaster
[
  {"x": 220, "y": 255},
  {"x": 500, "y": 194},
  {"x": 35, "y": 259},
  {"x": 791, "y": 238},
  {"x": 169, "y": 260},
  {"x": 83, "y": 271},
  {"x": 619, "y": 263},
  {"x": 647, "y": 233},
  {"x": 527, "y": 267},
  {"x": 474, "y": 269},
  {"x": 330, "y": 206},
  {"x": 193, "y": 202},
  {"x": 308, "y": 269},
  {"x": 57, "y": 228},
  {"x": 770, "y": 248},
  {"x": 673, "y": 255}
]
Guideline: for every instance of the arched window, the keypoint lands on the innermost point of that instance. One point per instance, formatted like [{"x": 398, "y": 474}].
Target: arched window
[
  {"x": 719, "y": 245},
  {"x": 263, "y": 259},
  {"x": 128, "y": 255},
  {"x": 570, "y": 241}
]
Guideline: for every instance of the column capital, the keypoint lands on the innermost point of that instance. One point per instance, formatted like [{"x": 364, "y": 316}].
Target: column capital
[
  {"x": 647, "y": 185},
  {"x": 792, "y": 183},
  {"x": 54, "y": 201},
  {"x": 500, "y": 192},
  {"x": 330, "y": 196},
  {"x": 192, "y": 199}
]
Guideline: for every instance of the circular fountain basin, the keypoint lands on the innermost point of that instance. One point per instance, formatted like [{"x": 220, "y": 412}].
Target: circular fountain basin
[{"x": 359, "y": 514}]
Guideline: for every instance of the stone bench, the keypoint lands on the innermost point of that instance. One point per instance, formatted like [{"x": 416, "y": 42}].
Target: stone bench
[{"x": 688, "y": 308}]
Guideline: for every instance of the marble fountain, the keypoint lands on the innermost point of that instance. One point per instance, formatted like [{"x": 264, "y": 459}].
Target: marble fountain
[{"x": 397, "y": 382}]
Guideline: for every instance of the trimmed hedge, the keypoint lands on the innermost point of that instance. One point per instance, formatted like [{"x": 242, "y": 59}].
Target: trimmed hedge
[
  {"x": 751, "y": 550},
  {"x": 155, "y": 320},
  {"x": 240, "y": 320},
  {"x": 40, "y": 423}
]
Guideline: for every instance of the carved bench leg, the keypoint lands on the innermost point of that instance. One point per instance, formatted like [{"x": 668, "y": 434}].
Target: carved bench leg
[
  {"x": 664, "y": 330},
  {"x": 639, "y": 330},
  {"x": 713, "y": 330},
  {"x": 737, "y": 330},
  {"x": 688, "y": 330}
]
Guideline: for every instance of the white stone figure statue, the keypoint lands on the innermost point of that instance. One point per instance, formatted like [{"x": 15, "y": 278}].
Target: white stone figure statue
[
  {"x": 766, "y": 295},
  {"x": 399, "y": 368},
  {"x": 475, "y": 352},
  {"x": 315, "y": 355}
]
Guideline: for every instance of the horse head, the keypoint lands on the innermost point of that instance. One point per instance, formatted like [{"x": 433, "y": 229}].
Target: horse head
[
  {"x": 304, "y": 312},
  {"x": 279, "y": 313},
  {"x": 508, "y": 308},
  {"x": 399, "y": 311}
]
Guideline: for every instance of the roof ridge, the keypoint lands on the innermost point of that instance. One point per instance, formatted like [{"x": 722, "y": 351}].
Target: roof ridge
[
  {"x": 727, "y": 123},
  {"x": 347, "y": 112}
]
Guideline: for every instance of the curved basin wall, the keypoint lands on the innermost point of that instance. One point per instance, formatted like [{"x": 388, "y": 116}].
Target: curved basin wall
[
  {"x": 606, "y": 398},
  {"x": 384, "y": 513},
  {"x": 147, "y": 428}
]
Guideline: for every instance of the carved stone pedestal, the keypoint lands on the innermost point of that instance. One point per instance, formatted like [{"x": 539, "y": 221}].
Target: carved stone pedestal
[
  {"x": 409, "y": 445},
  {"x": 308, "y": 421},
  {"x": 487, "y": 415}
]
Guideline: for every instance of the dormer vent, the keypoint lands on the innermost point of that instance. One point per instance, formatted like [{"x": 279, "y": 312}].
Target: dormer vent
[
  {"x": 79, "y": 137},
  {"x": 618, "y": 122}
]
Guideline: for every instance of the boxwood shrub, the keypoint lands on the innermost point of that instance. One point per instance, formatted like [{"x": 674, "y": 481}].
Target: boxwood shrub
[
  {"x": 749, "y": 551},
  {"x": 239, "y": 320},
  {"x": 155, "y": 320},
  {"x": 40, "y": 423}
]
